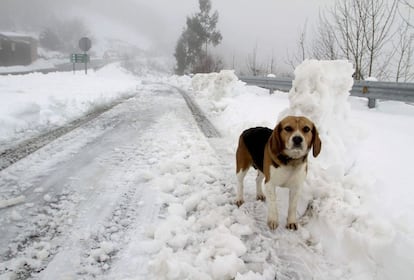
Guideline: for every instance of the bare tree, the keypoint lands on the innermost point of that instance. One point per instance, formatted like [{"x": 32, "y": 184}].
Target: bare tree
[
  {"x": 252, "y": 64},
  {"x": 404, "y": 53},
  {"x": 361, "y": 29},
  {"x": 302, "y": 40},
  {"x": 408, "y": 3},
  {"x": 272, "y": 64},
  {"x": 349, "y": 32},
  {"x": 407, "y": 6},
  {"x": 378, "y": 19},
  {"x": 294, "y": 59},
  {"x": 233, "y": 62},
  {"x": 404, "y": 46},
  {"x": 324, "y": 45}
]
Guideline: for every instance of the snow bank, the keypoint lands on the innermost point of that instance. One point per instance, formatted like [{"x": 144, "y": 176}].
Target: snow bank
[
  {"x": 232, "y": 105},
  {"x": 320, "y": 92},
  {"x": 33, "y": 102},
  {"x": 348, "y": 229},
  {"x": 344, "y": 221},
  {"x": 183, "y": 82},
  {"x": 216, "y": 85},
  {"x": 39, "y": 64}
]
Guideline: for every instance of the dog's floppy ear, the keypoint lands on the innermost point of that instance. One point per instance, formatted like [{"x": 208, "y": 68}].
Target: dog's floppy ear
[
  {"x": 275, "y": 141},
  {"x": 316, "y": 142}
]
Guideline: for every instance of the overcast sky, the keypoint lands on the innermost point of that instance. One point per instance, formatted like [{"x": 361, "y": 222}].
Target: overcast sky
[{"x": 274, "y": 25}]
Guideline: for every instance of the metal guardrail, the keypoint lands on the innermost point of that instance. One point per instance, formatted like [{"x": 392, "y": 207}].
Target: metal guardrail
[{"x": 372, "y": 90}]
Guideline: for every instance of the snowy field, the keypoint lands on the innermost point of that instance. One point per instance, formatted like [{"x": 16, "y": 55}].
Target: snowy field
[
  {"x": 143, "y": 194},
  {"x": 37, "y": 102}
]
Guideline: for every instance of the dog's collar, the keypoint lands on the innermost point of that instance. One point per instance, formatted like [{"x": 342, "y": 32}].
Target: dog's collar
[{"x": 285, "y": 160}]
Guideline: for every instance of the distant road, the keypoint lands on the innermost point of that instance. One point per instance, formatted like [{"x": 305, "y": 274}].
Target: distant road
[{"x": 65, "y": 67}]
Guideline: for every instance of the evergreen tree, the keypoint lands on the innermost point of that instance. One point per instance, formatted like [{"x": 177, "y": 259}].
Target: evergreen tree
[
  {"x": 181, "y": 55},
  {"x": 191, "y": 51}
]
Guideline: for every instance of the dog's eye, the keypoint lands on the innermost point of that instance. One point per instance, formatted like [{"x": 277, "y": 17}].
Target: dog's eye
[
  {"x": 306, "y": 129},
  {"x": 288, "y": 129}
]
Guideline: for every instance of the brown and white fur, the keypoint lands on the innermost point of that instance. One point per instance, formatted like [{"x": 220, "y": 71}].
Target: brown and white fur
[{"x": 280, "y": 156}]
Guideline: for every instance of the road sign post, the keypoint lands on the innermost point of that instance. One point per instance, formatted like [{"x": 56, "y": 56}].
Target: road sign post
[
  {"x": 79, "y": 58},
  {"x": 86, "y": 65},
  {"x": 85, "y": 44}
]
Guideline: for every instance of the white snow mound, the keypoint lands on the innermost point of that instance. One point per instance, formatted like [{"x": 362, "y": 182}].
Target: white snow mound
[
  {"x": 218, "y": 85},
  {"x": 320, "y": 92}
]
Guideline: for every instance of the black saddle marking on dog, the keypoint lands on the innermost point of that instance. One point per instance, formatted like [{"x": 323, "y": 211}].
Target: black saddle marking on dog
[{"x": 255, "y": 140}]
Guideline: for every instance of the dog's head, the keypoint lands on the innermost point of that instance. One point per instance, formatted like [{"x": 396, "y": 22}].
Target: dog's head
[{"x": 294, "y": 137}]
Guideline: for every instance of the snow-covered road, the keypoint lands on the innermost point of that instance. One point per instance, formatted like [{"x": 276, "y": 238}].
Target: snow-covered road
[
  {"x": 84, "y": 191},
  {"x": 141, "y": 193}
]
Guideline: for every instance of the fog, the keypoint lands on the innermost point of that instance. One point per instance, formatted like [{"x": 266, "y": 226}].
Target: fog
[{"x": 271, "y": 25}]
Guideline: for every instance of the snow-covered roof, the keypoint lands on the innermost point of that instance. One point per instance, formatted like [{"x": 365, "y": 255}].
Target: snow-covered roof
[
  {"x": 17, "y": 37},
  {"x": 16, "y": 34}
]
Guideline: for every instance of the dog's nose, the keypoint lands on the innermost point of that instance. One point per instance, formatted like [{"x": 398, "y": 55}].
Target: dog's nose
[{"x": 297, "y": 140}]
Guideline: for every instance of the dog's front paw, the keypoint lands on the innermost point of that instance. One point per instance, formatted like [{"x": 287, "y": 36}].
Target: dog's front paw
[
  {"x": 261, "y": 197},
  {"x": 292, "y": 226},
  {"x": 239, "y": 202},
  {"x": 273, "y": 224}
]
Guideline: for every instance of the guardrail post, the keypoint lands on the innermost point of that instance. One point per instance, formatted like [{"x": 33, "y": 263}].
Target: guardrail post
[
  {"x": 371, "y": 102},
  {"x": 271, "y": 91}
]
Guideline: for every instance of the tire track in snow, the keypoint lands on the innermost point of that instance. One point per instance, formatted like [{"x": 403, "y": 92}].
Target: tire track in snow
[
  {"x": 32, "y": 246},
  {"x": 102, "y": 246},
  {"x": 105, "y": 243},
  {"x": 203, "y": 122}
]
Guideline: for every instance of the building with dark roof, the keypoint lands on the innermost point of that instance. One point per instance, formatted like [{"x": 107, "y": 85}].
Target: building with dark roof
[{"x": 17, "y": 49}]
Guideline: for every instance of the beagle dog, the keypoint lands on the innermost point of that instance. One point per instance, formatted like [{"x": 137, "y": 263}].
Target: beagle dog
[{"x": 280, "y": 157}]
